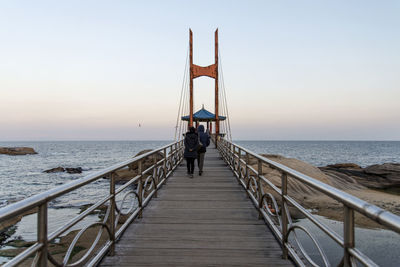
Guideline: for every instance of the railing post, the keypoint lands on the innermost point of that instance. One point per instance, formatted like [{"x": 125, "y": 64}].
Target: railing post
[
  {"x": 174, "y": 152},
  {"x": 247, "y": 166},
  {"x": 348, "y": 234},
  {"x": 182, "y": 149},
  {"x": 225, "y": 149},
  {"x": 155, "y": 173},
  {"x": 239, "y": 163},
  {"x": 233, "y": 161},
  {"x": 171, "y": 154},
  {"x": 140, "y": 186},
  {"x": 112, "y": 213},
  {"x": 259, "y": 191},
  {"x": 232, "y": 153},
  {"x": 42, "y": 234},
  {"x": 165, "y": 165},
  {"x": 221, "y": 149},
  {"x": 259, "y": 188},
  {"x": 284, "y": 218}
]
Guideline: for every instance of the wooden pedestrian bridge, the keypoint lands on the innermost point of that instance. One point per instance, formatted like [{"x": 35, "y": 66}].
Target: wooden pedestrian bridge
[{"x": 232, "y": 215}]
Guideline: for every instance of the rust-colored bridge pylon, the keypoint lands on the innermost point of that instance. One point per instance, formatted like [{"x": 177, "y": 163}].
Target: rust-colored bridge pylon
[{"x": 209, "y": 71}]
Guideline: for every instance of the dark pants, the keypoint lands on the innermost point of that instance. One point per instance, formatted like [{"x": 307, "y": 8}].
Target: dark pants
[
  {"x": 190, "y": 165},
  {"x": 200, "y": 160}
]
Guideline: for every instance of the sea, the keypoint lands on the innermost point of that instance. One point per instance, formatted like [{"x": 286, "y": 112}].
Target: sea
[{"x": 23, "y": 176}]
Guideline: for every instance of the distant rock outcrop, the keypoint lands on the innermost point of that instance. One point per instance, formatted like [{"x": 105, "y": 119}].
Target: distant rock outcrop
[
  {"x": 68, "y": 170},
  {"x": 74, "y": 170},
  {"x": 58, "y": 169},
  {"x": 345, "y": 166},
  {"x": 15, "y": 151}
]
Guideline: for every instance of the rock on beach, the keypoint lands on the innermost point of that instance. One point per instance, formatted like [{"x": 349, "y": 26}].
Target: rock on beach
[
  {"x": 15, "y": 151},
  {"x": 125, "y": 174},
  {"x": 377, "y": 176},
  {"x": 62, "y": 169}
]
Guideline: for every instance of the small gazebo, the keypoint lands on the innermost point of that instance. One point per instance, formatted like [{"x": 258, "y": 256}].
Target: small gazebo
[{"x": 203, "y": 115}]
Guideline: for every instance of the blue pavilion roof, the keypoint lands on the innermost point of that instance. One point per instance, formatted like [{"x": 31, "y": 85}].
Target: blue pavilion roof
[{"x": 203, "y": 114}]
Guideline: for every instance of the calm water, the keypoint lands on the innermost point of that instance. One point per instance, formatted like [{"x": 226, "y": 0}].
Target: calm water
[{"x": 22, "y": 176}]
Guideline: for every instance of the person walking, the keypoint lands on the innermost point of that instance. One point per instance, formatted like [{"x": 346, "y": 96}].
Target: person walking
[
  {"x": 204, "y": 139},
  {"x": 191, "y": 146}
]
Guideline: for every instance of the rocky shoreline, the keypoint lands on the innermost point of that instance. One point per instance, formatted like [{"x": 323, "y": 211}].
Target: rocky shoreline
[
  {"x": 377, "y": 176},
  {"x": 62, "y": 169},
  {"x": 377, "y": 184},
  {"x": 125, "y": 174}
]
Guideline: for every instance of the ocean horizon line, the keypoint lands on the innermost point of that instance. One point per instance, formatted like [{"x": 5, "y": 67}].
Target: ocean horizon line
[{"x": 171, "y": 140}]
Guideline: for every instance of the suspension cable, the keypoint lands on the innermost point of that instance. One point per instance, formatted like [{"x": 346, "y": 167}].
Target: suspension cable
[
  {"x": 223, "y": 113},
  {"x": 184, "y": 109},
  {"x": 224, "y": 110},
  {"x": 185, "y": 105},
  {"x": 181, "y": 96},
  {"x": 225, "y": 98}
]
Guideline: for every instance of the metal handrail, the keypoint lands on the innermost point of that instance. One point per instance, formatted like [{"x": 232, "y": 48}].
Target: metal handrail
[
  {"x": 159, "y": 171},
  {"x": 232, "y": 154}
]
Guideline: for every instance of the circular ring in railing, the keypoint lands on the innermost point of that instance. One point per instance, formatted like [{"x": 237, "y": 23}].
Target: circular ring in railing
[
  {"x": 83, "y": 259},
  {"x": 160, "y": 173},
  {"x": 168, "y": 165},
  {"x": 243, "y": 171},
  {"x": 148, "y": 185},
  {"x": 132, "y": 208},
  {"x": 253, "y": 186},
  {"x": 293, "y": 228},
  {"x": 235, "y": 165},
  {"x": 231, "y": 161},
  {"x": 274, "y": 212}
]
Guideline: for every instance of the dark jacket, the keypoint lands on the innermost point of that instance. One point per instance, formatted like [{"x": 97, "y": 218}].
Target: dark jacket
[
  {"x": 203, "y": 137},
  {"x": 191, "y": 144}
]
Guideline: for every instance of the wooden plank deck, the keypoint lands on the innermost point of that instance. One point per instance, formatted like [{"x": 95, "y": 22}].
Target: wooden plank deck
[{"x": 204, "y": 221}]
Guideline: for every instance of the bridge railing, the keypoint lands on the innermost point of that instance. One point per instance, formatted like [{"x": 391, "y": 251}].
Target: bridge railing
[
  {"x": 133, "y": 196},
  {"x": 278, "y": 216}
]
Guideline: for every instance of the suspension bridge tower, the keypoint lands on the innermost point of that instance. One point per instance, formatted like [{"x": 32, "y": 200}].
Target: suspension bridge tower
[
  {"x": 213, "y": 71},
  {"x": 209, "y": 71}
]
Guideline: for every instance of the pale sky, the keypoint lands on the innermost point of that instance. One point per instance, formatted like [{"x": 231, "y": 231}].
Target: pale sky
[{"x": 294, "y": 70}]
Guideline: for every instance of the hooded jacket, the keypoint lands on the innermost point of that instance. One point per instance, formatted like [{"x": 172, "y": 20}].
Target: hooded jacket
[
  {"x": 203, "y": 137},
  {"x": 191, "y": 144}
]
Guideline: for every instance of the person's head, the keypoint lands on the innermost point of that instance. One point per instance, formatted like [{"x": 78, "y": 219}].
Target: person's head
[
  {"x": 200, "y": 129},
  {"x": 192, "y": 130}
]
